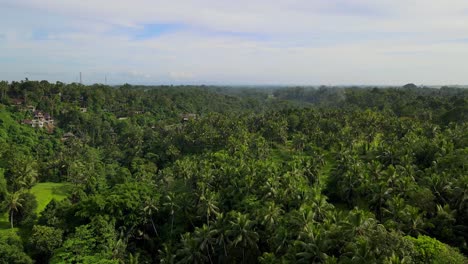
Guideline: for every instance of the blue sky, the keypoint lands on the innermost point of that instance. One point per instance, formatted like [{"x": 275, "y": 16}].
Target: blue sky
[{"x": 236, "y": 42}]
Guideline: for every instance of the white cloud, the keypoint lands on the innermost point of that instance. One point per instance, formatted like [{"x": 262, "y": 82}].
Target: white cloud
[{"x": 257, "y": 41}]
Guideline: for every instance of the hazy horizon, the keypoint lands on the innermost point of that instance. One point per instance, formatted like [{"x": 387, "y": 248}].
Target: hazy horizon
[{"x": 334, "y": 42}]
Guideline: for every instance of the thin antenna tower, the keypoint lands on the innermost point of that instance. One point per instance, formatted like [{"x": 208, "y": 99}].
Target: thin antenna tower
[
  {"x": 81, "y": 80},
  {"x": 105, "y": 80}
]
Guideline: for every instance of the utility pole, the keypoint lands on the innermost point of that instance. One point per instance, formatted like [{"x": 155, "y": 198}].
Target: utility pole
[
  {"x": 105, "y": 80},
  {"x": 81, "y": 80}
]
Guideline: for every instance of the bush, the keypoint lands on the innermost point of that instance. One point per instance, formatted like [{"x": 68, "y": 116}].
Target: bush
[
  {"x": 431, "y": 250},
  {"x": 44, "y": 240},
  {"x": 11, "y": 250},
  {"x": 26, "y": 214}
]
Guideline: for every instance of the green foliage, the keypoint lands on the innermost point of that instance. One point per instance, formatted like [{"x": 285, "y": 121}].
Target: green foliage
[
  {"x": 270, "y": 175},
  {"x": 44, "y": 240},
  {"x": 88, "y": 244},
  {"x": 26, "y": 214},
  {"x": 433, "y": 251},
  {"x": 3, "y": 185},
  {"x": 11, "y": 250},
  {"x": 22, "y": 171},
  {"x": 12, "y": 204},
  {"x": 123, "y": 202}
]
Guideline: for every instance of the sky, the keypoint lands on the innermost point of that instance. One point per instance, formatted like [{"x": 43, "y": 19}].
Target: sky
[{"x": 236, "y": 42}]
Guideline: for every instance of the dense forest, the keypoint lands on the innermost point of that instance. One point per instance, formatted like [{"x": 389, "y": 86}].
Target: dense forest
[{"x": 202, "y": 174}]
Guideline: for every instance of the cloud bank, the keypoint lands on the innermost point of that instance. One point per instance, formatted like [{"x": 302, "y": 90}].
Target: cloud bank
[{"x": 235, "y": 42}]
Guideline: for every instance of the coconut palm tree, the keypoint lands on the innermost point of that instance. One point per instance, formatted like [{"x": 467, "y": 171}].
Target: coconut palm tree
[
  {"x": 221, "y": 238},
  {"x": 205, "y": 236},
  {"x": 242, "y": 233},
  {"x": 379, "y": 194},
  {"x": 460, "y": 192},
  {"x": 416, "y": 223},
  {"x": 166, "y": 254},
  {"x": 319, "y": 205},
  {"x": 190, "y": 251},
  {"x": 361, "y": 251},
  {"x": 24, "y": 171},
  {"x": 3, "y": 90},
  {"x": 394, "y": 259},
  {"x": 12, "y": 203},
  {"x": 171, "y": 204},
  {"x": 149, "y": 209},
  {"x": 312, "y": 244},
  {"x": 271, "y": 215},
  {"x": 208, "y": 205},
  {"x": 358, "y": 223}
]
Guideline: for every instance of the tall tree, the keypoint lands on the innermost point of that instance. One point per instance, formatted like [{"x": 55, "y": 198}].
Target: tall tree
[{"x": 13, "y": 202}]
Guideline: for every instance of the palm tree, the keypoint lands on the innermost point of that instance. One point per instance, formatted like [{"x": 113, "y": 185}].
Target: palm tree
[
  {"x": 347, "y": 177},
  {"x": 172, "y": 206},
  {"x": 416, "y": 221},
  {"x": 460, "y": 192},
  {"x": 242, "y": 233},
  {"x": 299, "y": 141},
  {"x": 271, "y": 187},
  {"x": 190, "y": 251},
  {"x": 394, "y": 259},
  {"x": 379, "y": 194},
  {"x": 311, "y": 171},
  {"x": 12, "y": 203},
  {"x": 133, "y": 259},
  {"x": 439, "y": 183},
  {"x": 395, "y": 207},
  {"x": 361, "y": 251},
  {"x": 166, "y": 254},
  {"x": 221, "y": 236},
  {"x": 205, "y": 237},
  {"x": 271, "y": 215},
  {"x": 3, "y": 90},
  {"x": 313, "y": 243},
  {"x": 358, "y": 223},
  {"x": 24, "y": 171},
  {"x": 149, "y": 209},
  {"x": 320, "y": 206},
  {"x": 209, "y": 205}
]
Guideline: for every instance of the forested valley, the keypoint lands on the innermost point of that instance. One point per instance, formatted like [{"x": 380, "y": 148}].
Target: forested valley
[{"x": 204, "y": 174}]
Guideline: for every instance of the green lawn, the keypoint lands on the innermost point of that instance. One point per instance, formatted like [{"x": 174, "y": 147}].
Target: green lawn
[
  {"x": 44, "y": 192},
  {"x": 47, "y": 191}
]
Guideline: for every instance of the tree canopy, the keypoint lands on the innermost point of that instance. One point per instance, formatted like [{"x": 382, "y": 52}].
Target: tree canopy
[{"x": 201, "y": 174}]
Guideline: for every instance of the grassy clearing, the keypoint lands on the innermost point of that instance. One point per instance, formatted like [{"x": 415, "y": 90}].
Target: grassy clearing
[
  {"x": 47, "y": 191},
  {"x": 44, "y": 192}
]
